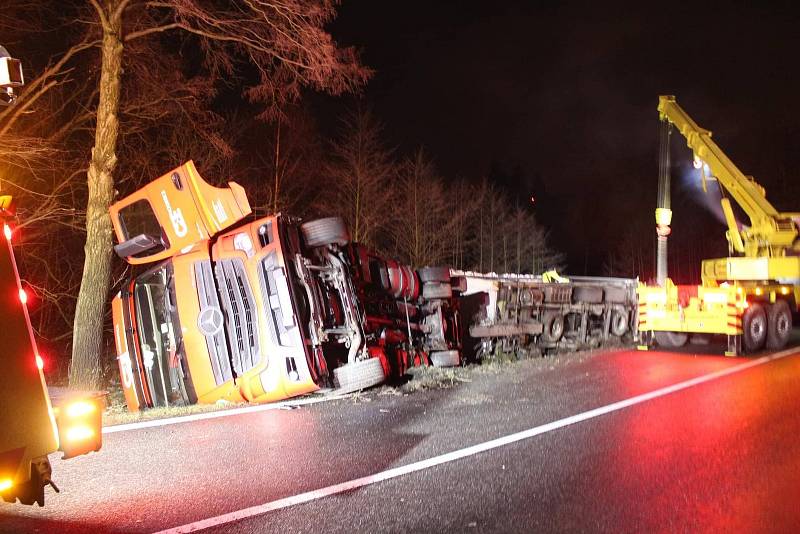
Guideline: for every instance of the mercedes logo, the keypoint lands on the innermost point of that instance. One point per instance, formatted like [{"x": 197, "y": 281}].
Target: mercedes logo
[{"x": 210, "y": 321}]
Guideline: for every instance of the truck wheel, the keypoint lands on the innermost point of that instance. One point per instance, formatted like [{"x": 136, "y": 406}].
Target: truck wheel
[
  {"x": 437, "y": 290},
  {"x": 445, "y": 358},
  {"x": 619, "y": 321},
  {"x": 779, "y": 325},
  {"x": 671, "y": 339},
  {"x": 434, "y": 274},
  {"x": 754, "y": 324},
  {"x": 552, "y": 326},
  {"x": 325, "y": 231},
  {"x": 359, "y": 375}
]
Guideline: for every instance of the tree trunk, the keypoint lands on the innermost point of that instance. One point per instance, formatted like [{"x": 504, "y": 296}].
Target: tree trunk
[{"x": 86, "y": 369}]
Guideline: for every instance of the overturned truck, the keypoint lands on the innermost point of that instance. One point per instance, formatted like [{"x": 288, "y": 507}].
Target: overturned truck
[{"x": 221, "y": 305}]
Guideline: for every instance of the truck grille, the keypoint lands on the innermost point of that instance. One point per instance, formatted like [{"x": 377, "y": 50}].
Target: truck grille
[
  {"x": 274, "y": 286},
  {"x": 217, "y": 346},
  {"x": 239, "y": 305}
]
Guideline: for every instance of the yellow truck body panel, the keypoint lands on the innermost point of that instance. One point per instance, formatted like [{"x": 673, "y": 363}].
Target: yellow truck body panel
[{"x": 26, "y": 417}]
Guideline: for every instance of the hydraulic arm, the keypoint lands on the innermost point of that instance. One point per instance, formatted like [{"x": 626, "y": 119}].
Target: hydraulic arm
[{"x": 771, "y": 233}]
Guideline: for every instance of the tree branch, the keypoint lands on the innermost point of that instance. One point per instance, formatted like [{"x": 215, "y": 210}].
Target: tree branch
[{"x": 157, "y": 29}]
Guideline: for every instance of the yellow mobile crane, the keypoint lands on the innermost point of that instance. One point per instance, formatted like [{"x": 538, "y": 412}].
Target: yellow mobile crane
[{"x": 748, "y": 296}]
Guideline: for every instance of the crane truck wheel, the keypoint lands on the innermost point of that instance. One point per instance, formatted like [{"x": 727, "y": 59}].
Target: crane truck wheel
[
  {"x": 358, "y": 375},
  {"x": 327, "y": 231},
  {"x": 754, "y": 324},
  {"x": 552, "y": 326},
  {"x": 779, "y": 325},
  {"x": 619, "y": 321},
  {"x": 671, "y": 339}
]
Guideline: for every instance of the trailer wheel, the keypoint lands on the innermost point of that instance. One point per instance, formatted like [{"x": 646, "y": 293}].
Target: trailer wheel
[
  {"x": 779, "y": 325},
  {"x": 325, "y": 231},
  {"x": 434, "y": 274},
  {"x": 437, "y": 290},
  {"x": 754, "y": 324},
  {"x": 445, "y": 358},
  {"x": 619, "y": 321},
  {"x": 358, "y": 375},
  {"x": 552, "y": 326},
  {"x": 671, "y": 339}
]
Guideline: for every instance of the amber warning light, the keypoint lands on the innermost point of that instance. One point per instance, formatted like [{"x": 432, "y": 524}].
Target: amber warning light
[{"x": 79, "y": 422}]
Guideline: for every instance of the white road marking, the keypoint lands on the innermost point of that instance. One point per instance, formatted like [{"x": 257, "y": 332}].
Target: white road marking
[
  {"x": 221, "y": 413},
  {"x": 465, "y": 452}
]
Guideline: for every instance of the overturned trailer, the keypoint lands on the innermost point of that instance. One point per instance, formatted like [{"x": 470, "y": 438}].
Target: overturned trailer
[{"x": 526, "y": 315}]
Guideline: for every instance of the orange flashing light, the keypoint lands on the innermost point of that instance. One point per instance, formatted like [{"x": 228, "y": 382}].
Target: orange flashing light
[
  {"x": 80, "y": 408},
  {"x": 5, "y": 484},
  {"x": 758, "y": 291},
  {"x": 79, "y": 433},
  {"x": 784, "y": 291}
]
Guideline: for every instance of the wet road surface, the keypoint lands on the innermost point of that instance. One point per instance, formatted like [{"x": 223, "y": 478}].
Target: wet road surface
[{"x": 719, "y": 454}]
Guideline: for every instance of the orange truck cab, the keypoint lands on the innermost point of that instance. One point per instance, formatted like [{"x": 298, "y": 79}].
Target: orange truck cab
[
  {"x": 35, "y": 422},
  {"x": 225, "y": 307}
]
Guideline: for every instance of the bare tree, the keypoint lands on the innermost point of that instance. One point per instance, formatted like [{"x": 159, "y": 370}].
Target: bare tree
[
  {"x": 362, "y": 172},
  {"x": 423, "y": 223},
  {"x": 287, "y": 167},
  {"x": 505, "y": 236}
]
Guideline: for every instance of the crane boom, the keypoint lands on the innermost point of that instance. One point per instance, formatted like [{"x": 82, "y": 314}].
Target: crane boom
[{"x": 771, "y": 233}]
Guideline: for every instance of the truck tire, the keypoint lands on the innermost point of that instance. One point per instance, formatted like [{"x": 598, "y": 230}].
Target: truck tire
[
  {"x": 552, "y": 326},
  {"x": 671, "y": 340},
  {"x": 445, "y": 358},
  {"x": 437, "y": 290},
  {"x": 434, "y": 274},
  {"x": 358, "y": 375},
  {"x": 619, "y": 321},
  {"x": 327, "y": 231},
  {"x": 779, "y": 325},
  {"x": 754, "y": 324}
]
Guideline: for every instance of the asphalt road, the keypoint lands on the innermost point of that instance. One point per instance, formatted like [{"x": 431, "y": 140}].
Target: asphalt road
[{"x": 721, "y": 453}]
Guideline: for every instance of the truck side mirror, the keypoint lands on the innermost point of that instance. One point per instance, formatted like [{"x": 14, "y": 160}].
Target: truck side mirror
[{"x": 136, "y": 245}]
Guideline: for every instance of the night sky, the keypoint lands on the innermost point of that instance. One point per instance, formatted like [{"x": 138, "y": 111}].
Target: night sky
[{"x": 559, "y": 100}]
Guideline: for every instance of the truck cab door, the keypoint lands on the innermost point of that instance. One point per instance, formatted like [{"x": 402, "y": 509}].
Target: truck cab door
[{"x": 172, "y": 213}]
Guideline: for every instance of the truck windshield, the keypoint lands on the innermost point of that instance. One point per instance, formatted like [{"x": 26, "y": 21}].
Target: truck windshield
[{"x": 159, "y": 336}]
